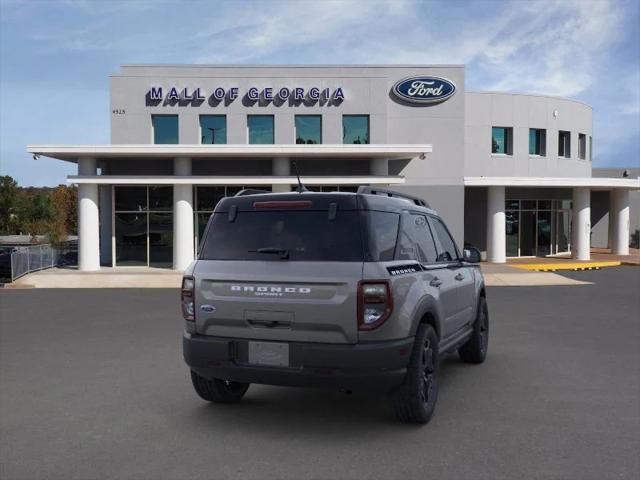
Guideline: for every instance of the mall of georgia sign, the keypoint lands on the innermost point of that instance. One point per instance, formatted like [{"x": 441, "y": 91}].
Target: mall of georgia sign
[{"x": 424, "y": 90}]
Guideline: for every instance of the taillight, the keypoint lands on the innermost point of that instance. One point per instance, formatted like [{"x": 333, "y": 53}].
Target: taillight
[
  {"x": 186, "y": 298},
  {"x": 375, "y": 303}
]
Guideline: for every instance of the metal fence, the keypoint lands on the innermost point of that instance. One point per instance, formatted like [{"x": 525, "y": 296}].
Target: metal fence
[{"x": 39, "y": 257}]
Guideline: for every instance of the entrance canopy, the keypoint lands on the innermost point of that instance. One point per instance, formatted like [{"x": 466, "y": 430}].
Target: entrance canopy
[
  {"x": 71, "y": 153},
  {"x": 221, "y": 180},
  {"x": 594, "y": 183}
]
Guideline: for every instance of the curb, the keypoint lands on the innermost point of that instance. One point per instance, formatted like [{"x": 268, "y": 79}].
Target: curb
[{"x": 574, "y": 266}]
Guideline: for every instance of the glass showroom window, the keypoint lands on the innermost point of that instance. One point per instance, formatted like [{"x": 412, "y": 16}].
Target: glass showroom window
[
  {"x": 144, "y": 226},
  {"x": 260, "y": 129},
  {"x": 582, "y": 146},
  {"x": 502, "y": 140},
  {"x": 165, "y": 129},
  {"x": 205, "y": 200},
  {"x": 538, "y": 142},
  {"x": 564, "y": 144},
  {"x": 308, "y": 129},
  {"x": 355, "y": 129},
  {"x": 537, "y": 227},
  {"x": 332, "y": 188},
  {"x": 213, "y": 129}
]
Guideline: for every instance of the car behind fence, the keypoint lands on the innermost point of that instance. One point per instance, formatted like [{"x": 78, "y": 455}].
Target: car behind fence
[{"x": 18, "y": 261}]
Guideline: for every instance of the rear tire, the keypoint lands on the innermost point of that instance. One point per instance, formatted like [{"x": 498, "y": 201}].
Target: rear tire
[
  {"x": 475, "y": 349},
  {"x": 218, "y": 391},
  {"x": 415, "y": 400}
]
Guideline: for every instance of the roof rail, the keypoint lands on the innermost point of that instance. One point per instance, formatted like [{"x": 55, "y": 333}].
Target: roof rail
[
  {"x": 250, "y": 191},
  {"x": 390, "y": 193}
]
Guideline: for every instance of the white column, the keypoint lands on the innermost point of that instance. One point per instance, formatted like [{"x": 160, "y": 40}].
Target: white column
[
  {"x": 183, "y": 253},
  {"x": 281, "y": 167},
  {"x": 88, "y": 219},
  {"x": 619, "y": 219},
  {"x": 581, "y": 224},
  {"x": 379, "y": 167},
  {"x": 496, "y": 233}
]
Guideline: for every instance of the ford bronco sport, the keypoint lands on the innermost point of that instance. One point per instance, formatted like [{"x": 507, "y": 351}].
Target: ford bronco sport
[{"x": 343, "y": 290}]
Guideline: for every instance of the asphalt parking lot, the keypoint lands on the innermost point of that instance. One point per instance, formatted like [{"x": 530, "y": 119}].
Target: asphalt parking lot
[{"x": 92, "y": 385}]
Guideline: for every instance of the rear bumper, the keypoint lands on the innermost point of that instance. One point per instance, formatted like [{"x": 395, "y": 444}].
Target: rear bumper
[{"x": 371, "y": 366}]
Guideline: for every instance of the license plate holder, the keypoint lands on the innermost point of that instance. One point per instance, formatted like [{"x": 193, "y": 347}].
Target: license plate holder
[{"x": 274, "y": 354}]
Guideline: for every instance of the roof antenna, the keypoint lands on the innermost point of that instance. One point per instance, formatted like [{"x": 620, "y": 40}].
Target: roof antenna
[{"x": 301, "y": 187}]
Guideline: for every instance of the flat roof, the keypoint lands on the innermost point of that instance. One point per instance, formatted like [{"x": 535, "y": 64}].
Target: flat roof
[
  {"x": 284, "y": 65},
  {"x": 233, "y": 180},
  {"x": 596, "y": 183},
  {"x": 72, "y": 153}
]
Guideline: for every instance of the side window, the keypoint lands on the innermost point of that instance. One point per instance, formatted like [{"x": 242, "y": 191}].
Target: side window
[
  {"x": 416, "y": 241},
  {"x": 383, "y": 234},
  {"x": 448, "y": 246}
]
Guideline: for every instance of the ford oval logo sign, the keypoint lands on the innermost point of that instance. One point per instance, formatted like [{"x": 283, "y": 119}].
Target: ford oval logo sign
[{"x": 424, "y": 89}]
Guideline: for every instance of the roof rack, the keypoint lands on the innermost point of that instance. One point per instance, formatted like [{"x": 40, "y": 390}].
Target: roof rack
[
  {"x": 390, "y": 193},
  {"x": 250, "y": 191}
]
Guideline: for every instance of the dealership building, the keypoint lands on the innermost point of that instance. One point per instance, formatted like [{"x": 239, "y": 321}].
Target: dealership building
[{"x": 510, "y": 173}]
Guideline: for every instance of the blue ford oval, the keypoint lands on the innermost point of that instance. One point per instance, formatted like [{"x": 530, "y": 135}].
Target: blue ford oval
[{"x": 424, "y": 89}]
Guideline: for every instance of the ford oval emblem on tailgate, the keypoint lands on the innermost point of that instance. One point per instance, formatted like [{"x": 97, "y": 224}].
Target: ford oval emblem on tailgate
[{"x": 208, "y": 308}]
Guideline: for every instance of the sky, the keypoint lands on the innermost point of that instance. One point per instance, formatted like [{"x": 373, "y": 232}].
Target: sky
[{"x": 56, "y": 56}]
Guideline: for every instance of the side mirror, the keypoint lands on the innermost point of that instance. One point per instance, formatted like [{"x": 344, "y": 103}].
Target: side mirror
[{"x": 471, "y": 255}]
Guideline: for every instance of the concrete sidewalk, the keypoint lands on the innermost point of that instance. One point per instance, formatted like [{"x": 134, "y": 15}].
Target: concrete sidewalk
[
  {"x": 141, "y": 277},
  {"x": 107, "y": 277},
  {"x": 502, "y": 275}
]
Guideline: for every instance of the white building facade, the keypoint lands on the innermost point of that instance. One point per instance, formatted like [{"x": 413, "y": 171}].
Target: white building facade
[{"x": 510, "y": 173}]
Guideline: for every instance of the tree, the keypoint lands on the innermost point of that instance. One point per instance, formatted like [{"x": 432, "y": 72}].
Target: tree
[
  {"x": 64, "y": 221},
  {"x": 9, "y": 192},
  {"x": 35, "y": 211}
]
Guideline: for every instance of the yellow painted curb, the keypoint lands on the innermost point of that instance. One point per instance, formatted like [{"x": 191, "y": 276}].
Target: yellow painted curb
[{"x": 552, "y": 267}]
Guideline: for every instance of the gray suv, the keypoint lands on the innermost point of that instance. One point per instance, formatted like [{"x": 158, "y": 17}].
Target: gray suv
[{"x": 363, "y": 290}]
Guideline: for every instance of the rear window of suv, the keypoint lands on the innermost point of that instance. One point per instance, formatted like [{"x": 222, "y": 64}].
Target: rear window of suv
[{"x": 284, "y": 235}]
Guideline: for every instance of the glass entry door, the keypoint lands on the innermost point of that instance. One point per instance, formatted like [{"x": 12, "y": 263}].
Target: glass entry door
[
  {"x": 143, "y": 226},
  {"x": 543, "y": 244},
  {"x": 563, "y": 228},
  {"x": 537, "y": 228},
  {"x": 527, "y": 233}
]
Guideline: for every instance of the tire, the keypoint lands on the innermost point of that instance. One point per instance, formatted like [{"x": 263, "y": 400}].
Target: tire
[
  {"x": 218, "y": 391},
  {"x": 475, "y": 349},
  {"x": 415, "y": 400}
]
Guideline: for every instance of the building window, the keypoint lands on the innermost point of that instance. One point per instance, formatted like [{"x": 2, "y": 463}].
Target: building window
[
  {"x": 213, "y": 129},
  {"x": 332, "y": 188},
  {"x": 502, "y": 140},
  {"x": 590, "y": 148},
  {"x": 538, "y": 142},
  {"x": 308, "y": 129},
  {"x": 260, "y": 129},
  {"x": 165, "y": 129},
  {"x": 564, "y": 144},
  {"x": 355, "y": 129},
  {"x": 582, "y": 146}
]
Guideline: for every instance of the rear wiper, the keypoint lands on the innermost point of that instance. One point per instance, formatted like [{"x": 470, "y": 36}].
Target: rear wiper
[{"x": 283, "y": 252}]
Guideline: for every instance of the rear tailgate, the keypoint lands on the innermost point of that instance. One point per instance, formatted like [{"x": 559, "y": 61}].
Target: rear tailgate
[
  {"x": 278, "y": 300},
  {"x": 281, "y": 267}
]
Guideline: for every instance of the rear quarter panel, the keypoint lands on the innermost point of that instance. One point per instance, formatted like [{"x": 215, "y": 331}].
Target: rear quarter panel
[{"x": 412, "y": 298}]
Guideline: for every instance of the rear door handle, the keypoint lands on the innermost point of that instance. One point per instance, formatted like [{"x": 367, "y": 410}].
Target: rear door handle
[
  {"x": 436, "y": 282},
  {"x": 459, "y": 277}
]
